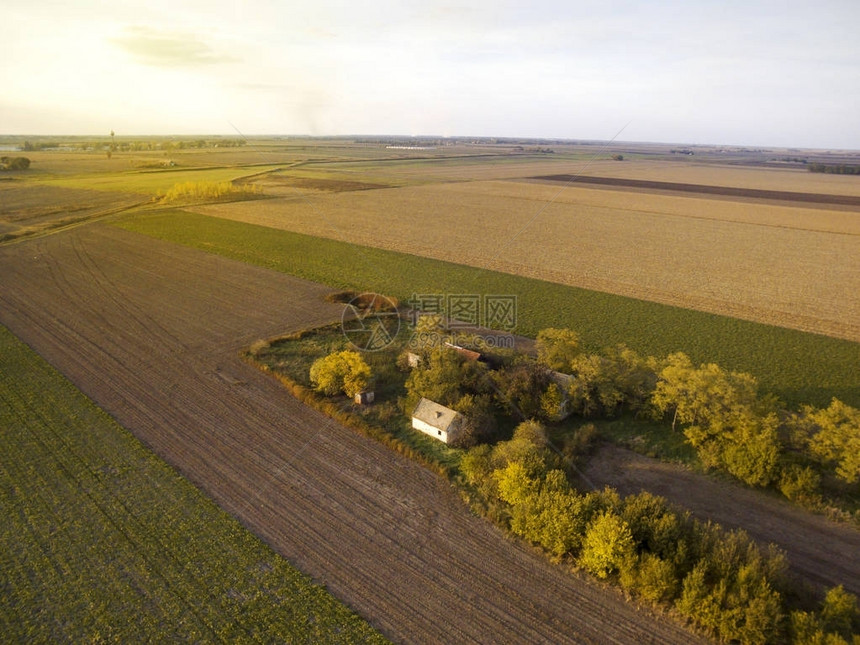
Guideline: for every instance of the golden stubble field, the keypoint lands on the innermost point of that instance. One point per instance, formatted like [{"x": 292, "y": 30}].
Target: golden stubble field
[
  {"x": 791, "y": 179},
  {"x": 797, "y": 267}
]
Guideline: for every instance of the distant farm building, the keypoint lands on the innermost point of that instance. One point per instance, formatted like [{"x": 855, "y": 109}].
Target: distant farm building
[
  {"x": 437, "y": 421},
  {"x": 462, "y": 351}
]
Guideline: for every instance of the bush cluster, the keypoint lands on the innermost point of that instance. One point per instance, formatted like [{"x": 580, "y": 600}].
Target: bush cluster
[
  {"x": 14, "y": 163},
  {"x": 721, "y": 414},
  {"x": 720, "y": 580}
]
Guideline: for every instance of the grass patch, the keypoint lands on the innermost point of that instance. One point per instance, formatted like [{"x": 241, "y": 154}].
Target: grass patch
[
  {"x": 103, "y": 541},
  {"x": 797, "y": 366},
  {"x": 290, "y": 359},
  {"x": 650, "y": 438}
]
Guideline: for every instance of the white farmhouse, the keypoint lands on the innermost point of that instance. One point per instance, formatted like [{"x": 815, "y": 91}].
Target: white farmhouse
[{"x": 437, "y": 421}]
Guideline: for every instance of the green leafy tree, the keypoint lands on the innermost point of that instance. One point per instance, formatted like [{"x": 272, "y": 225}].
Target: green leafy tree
[
  {"x": 583, "y": 387},
  {"x": 479, "y": 422},
  {"x": 554, "y": 517},
  {"x": 696, "y": 395},
  {"x": 633, "y": 376},
  {"x": 515, "y": 483},
  {"x": 743, "y": 442},
  {"x": 839, "y": 611},
  {"x": 556, "y": 348},
  {"x": 344, "y": 371},
  {"x": 520, "y": 388},
  {"x": 608, "y": 543},
  {"x": 551, "y": 402},
  {"x": 604, "y": 384},
  {"x": 835, "y": 438},
  {"x": 800, "y": 484},
  {"x": 650, "y": 576},
  {"x": 475, "y": 464},
  {"x": 528, "y": 446},
  {"x": 444, "y": 377}
]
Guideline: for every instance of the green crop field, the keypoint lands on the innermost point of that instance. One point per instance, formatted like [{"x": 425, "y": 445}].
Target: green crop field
[
  {"x": 102, "y": 541},
  {"x": 151, "y": 182},
  {"x": 797, "y": 366}
]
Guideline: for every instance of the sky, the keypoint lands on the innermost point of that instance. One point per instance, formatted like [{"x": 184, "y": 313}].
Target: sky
[{"x": 756, "y": 73}]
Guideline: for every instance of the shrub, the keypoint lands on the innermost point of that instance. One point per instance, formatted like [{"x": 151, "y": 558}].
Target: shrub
[
  {"x": 839, "y": 611},
  {"x": 651, "y": 577},
  {"x": 556, "y": 348},
  {"x": 607, "y": 544},
  {"x": 14, "y": 163},
  {"x": 581, "y": 442},
  {"x": 800, "y": 484}
]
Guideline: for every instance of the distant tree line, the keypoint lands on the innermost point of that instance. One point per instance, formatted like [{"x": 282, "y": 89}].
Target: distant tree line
[
  {"x": 834, "y": 169},
  {"x": 133, "y": 146}
]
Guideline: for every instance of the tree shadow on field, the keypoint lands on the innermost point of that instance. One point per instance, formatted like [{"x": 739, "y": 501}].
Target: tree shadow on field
[{"x": 820, "y": 396}]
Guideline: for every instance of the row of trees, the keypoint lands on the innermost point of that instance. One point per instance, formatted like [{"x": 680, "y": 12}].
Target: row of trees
[
  {"x": 720, "y": 580},
  {"x": 134, "y": 146},
  {"x": 834, "y": 169},
  {"x": 721, "y": 414}
]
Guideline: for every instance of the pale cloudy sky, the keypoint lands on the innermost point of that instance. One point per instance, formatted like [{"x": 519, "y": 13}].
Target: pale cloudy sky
[{"x": 779, "y": 73}]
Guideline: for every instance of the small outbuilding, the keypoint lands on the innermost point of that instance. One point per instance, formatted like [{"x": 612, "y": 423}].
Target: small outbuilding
[
  {"x": 364, "y": 398},
  {"x": 436, "y": 420}
]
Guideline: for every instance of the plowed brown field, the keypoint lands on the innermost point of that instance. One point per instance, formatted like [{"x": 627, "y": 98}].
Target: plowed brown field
[{"x": 150, "y": 331}]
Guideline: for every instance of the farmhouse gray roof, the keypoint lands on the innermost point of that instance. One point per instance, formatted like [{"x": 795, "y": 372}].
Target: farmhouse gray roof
[{"x": 435, "y": 415}]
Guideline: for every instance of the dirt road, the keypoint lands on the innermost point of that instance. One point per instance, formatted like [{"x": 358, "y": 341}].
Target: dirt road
[
  {"x": 150, "y": 331},
  {"x": 820, "y": 551}
]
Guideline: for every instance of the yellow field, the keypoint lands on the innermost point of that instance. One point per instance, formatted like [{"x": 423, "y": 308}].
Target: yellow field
[{"x": 791, "y": 266}]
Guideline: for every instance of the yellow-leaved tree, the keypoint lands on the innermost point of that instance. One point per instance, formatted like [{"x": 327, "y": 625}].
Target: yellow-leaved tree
[{"x": 344, "y": 371}]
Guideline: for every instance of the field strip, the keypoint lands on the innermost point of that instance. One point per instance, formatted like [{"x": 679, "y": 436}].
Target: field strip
[
  {"x": 787, "y": 266},
  {"x": 728, "y": 191},
  {"x": 142, "y": 327},
  {"x": 800, "y": 367},
  {"x": 101, "y": 540}
]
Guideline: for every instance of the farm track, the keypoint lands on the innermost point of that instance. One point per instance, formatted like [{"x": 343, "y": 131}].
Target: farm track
[
  {"x": 704, "y": 189},
  {"x": 819, "y": 551},
  {"x": 150, "y": 331}
]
